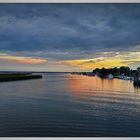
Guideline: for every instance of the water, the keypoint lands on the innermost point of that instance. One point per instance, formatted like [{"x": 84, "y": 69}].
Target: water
[{"x": 69, "y": 105}]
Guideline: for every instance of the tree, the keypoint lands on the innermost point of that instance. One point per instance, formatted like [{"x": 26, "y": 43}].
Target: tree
[
  {"x": 96, "y": 71},
  {"x": 103, "y": 71}
]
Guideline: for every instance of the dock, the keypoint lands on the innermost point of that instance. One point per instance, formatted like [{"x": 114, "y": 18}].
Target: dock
[{"x": 17, "y": 76}]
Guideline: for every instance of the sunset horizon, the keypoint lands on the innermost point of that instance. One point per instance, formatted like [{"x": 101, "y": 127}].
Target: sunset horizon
[
  {"x": 69, "y": 70},
  {"x": 68, "y": 37}
]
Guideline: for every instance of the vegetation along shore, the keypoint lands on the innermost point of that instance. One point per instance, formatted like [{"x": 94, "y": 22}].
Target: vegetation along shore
[
  {"x": 4, "y": 77},
  {"x": 124, "y": 73}
]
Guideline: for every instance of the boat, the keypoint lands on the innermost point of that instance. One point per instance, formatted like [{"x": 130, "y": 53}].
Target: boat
[
  {"x": 124, "y": 77},
  {"x": 110, "y": 76},
  {"x": 127, "y": 78}
]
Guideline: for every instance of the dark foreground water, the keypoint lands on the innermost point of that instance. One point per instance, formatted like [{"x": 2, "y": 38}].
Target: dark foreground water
[{"x": 69, "y": 105}]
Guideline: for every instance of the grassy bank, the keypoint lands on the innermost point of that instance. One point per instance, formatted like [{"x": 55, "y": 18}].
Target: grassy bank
[{"x": 17, "y": 76}]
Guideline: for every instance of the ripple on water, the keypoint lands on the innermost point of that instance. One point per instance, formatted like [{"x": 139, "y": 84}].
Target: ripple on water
[{"x": 69, "y": 105}]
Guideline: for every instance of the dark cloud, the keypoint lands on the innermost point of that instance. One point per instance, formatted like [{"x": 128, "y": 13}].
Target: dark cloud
[{"x": 68, "y": 31}]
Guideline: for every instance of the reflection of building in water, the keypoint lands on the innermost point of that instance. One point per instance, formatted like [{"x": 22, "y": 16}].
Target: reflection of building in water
[{"x": 137, "y": 77}]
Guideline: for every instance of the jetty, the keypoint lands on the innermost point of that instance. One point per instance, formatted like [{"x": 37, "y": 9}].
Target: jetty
[{"x": 5, "y": 77}]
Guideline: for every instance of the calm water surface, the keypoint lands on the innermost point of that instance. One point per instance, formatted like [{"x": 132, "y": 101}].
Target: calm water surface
[{"x": 69, "y": 105}]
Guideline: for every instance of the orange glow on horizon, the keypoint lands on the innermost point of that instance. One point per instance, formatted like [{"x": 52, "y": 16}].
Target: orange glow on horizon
[
  {"x": 103, "y": 60},
  {"x": 95, "y": 63},
  {"x": 116, "y": 60},
  {"x": 21, "y": 59}
]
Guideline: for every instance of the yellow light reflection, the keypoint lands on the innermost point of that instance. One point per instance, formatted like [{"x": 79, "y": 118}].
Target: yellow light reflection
[{"x": 88, "y": 85}]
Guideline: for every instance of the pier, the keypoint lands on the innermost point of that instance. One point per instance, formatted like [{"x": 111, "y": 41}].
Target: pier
[{"x": 5, "y": 77}]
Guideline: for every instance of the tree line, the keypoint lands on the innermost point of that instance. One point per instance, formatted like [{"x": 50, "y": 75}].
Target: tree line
[{"x": 115, "y": 71}]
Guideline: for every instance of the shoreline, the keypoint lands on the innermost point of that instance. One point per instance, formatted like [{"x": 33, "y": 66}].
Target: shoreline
[{"x": 18, "y": 77}]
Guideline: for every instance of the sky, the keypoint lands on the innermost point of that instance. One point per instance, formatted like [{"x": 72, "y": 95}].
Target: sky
[{"x": 69, "y": 37}]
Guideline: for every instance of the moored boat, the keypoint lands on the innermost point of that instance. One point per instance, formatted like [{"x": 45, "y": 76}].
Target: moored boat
[{"x": 110, "y": 76}]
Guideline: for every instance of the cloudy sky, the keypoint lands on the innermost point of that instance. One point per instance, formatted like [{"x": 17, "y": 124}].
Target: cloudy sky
[{"x": 69, "y": 37}]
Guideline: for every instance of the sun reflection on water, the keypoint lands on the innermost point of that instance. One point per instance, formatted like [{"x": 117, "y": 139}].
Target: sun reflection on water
[{"x": 83, "y": 85}]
